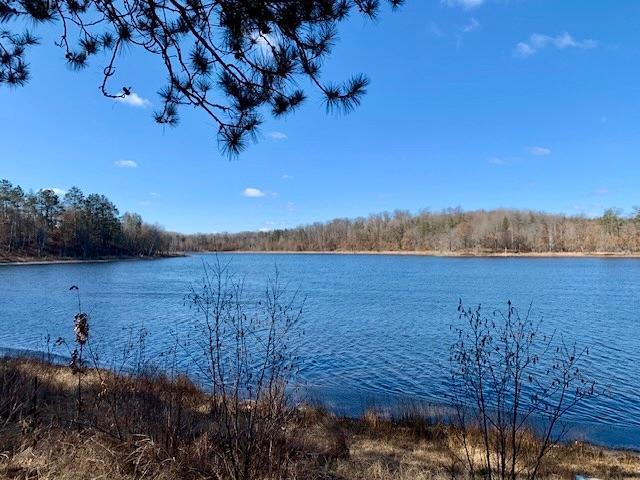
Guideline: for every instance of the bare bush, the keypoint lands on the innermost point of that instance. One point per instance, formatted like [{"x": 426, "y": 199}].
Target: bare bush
[
  {"x": 512, "y": 388},
  {"x": 249, "y": 364}
]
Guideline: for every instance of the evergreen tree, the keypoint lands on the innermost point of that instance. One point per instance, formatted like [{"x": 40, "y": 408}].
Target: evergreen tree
[{"x": 230, "y": 58}]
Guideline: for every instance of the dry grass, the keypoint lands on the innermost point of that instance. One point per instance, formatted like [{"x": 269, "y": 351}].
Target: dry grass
[
  {"x": 384, "y": 450},
  {"x": 164, "y": 428}
]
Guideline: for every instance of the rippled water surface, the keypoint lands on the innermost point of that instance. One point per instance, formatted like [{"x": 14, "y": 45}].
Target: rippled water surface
[{"x": 377, "y": 327}]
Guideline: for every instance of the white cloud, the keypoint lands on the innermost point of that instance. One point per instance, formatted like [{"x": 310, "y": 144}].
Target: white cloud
[
  {"x": 463, "y": 3},
  {"x": 262, "y": 40},
  {"x": 539, "y": 41},
  {"x": 134, "y": 100},
  {"x": 263, "y": 43},
  {"x": 58, "y": 191},
  {"x": 145, "y": 203},
  {"x": 287, "y": 177},
  {"x": 601, "y": 192},
  {"x": 524, "y": 50},
  {"x": 471, "y": 26},
  {"x": 268, "y": 226},
  {"x": 277, "y": 136},
  {"x": 126, "y": 164},
  {"x": 291, "y": 206},
  {"x": 497, "y": 161},
  {"x": 539, "y": 151},
  {"x": 154, "y": 194},
  {"x": 252, "y": 193}
]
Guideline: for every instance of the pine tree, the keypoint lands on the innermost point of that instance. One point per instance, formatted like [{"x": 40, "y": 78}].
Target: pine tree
[{"x": 232, "y": 59}]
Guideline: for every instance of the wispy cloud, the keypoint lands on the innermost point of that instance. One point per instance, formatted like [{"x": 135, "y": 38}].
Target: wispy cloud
[
  {"x": 145, "y": 203},
  {"x": 601, "y": 192},
  {"x": 497, "y": 161},
  {"x": 287, "y": 177},
  {"x": 251, "y": 192},
  {"x": 472, "y": 25},
  {"x": 268, "y": 226},
  {"x": 467, "y": 4},
  {"x": 58, "y": 191},
  {"x": 126, "y": 164},
  {"x": 291, "y": 206},
  {"x": 277, "y": 136},
  {"x": 134, "y": 100},
  {"x": 539, "y": 151},
  {"x": 538, "y": 42},
  {"x": 271, "y": 225}
]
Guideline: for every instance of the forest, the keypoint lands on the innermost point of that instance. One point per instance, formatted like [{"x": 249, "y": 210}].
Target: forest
[
  {"x": 448, "y": 231},
  {"x": 42, "y": 224}
]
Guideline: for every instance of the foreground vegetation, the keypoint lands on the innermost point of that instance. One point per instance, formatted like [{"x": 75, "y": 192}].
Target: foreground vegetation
[{"x": 158, "y": 426}]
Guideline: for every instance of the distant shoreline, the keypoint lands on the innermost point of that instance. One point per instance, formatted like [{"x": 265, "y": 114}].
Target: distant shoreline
[
  {"x": 10, "y": 261},
  {"x": 429, "y": 253}
]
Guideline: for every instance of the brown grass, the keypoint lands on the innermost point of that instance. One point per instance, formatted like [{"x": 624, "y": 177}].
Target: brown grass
[{"x": 164, "y": 428}]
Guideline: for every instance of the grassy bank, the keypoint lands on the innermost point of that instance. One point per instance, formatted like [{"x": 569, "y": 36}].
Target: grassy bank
[{"x": 154, "y": 426}]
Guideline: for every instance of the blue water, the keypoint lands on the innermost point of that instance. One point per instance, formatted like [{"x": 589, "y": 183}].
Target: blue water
[{"x": 376, "y": 327}]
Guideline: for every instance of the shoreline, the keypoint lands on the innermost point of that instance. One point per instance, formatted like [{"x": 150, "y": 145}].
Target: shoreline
[
  {"x": 413, "y": 444},
  {"x": 12, "y": 261},
  {"x": 433, "y": 253},
  {"x": 384, "y": 411}
]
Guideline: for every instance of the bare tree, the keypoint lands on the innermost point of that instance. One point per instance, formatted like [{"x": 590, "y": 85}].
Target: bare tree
[
  {"x": 38, "y": 224},
  {"x": 451, "y": 230},
  {"x": 513, "y": 385}
]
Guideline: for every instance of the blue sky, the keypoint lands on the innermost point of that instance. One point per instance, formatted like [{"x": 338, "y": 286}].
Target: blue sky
[{"x": 472, "y": 103}]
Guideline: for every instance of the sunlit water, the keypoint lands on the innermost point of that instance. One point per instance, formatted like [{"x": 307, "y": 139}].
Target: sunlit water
[{"x": 376, "y": 327}]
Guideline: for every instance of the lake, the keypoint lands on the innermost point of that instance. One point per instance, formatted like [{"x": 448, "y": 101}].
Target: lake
[{"x": 376, "y": 327}]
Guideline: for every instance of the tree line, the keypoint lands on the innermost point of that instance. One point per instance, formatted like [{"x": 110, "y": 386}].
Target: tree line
[
  {"x": 44, "y": 224},
  {"x": 451, "y": 230}
]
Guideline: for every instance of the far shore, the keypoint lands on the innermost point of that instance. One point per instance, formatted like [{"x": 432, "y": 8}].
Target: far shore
[
  {"x": 61, "y": 261},
  {"x": 431, "y": 253},
  {"x": 8, "y": 261}
]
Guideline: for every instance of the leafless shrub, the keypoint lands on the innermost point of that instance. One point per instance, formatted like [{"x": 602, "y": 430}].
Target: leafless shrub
[
  {"x": 512, "y": 387},
  {"x": 249, "y": 364}
]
